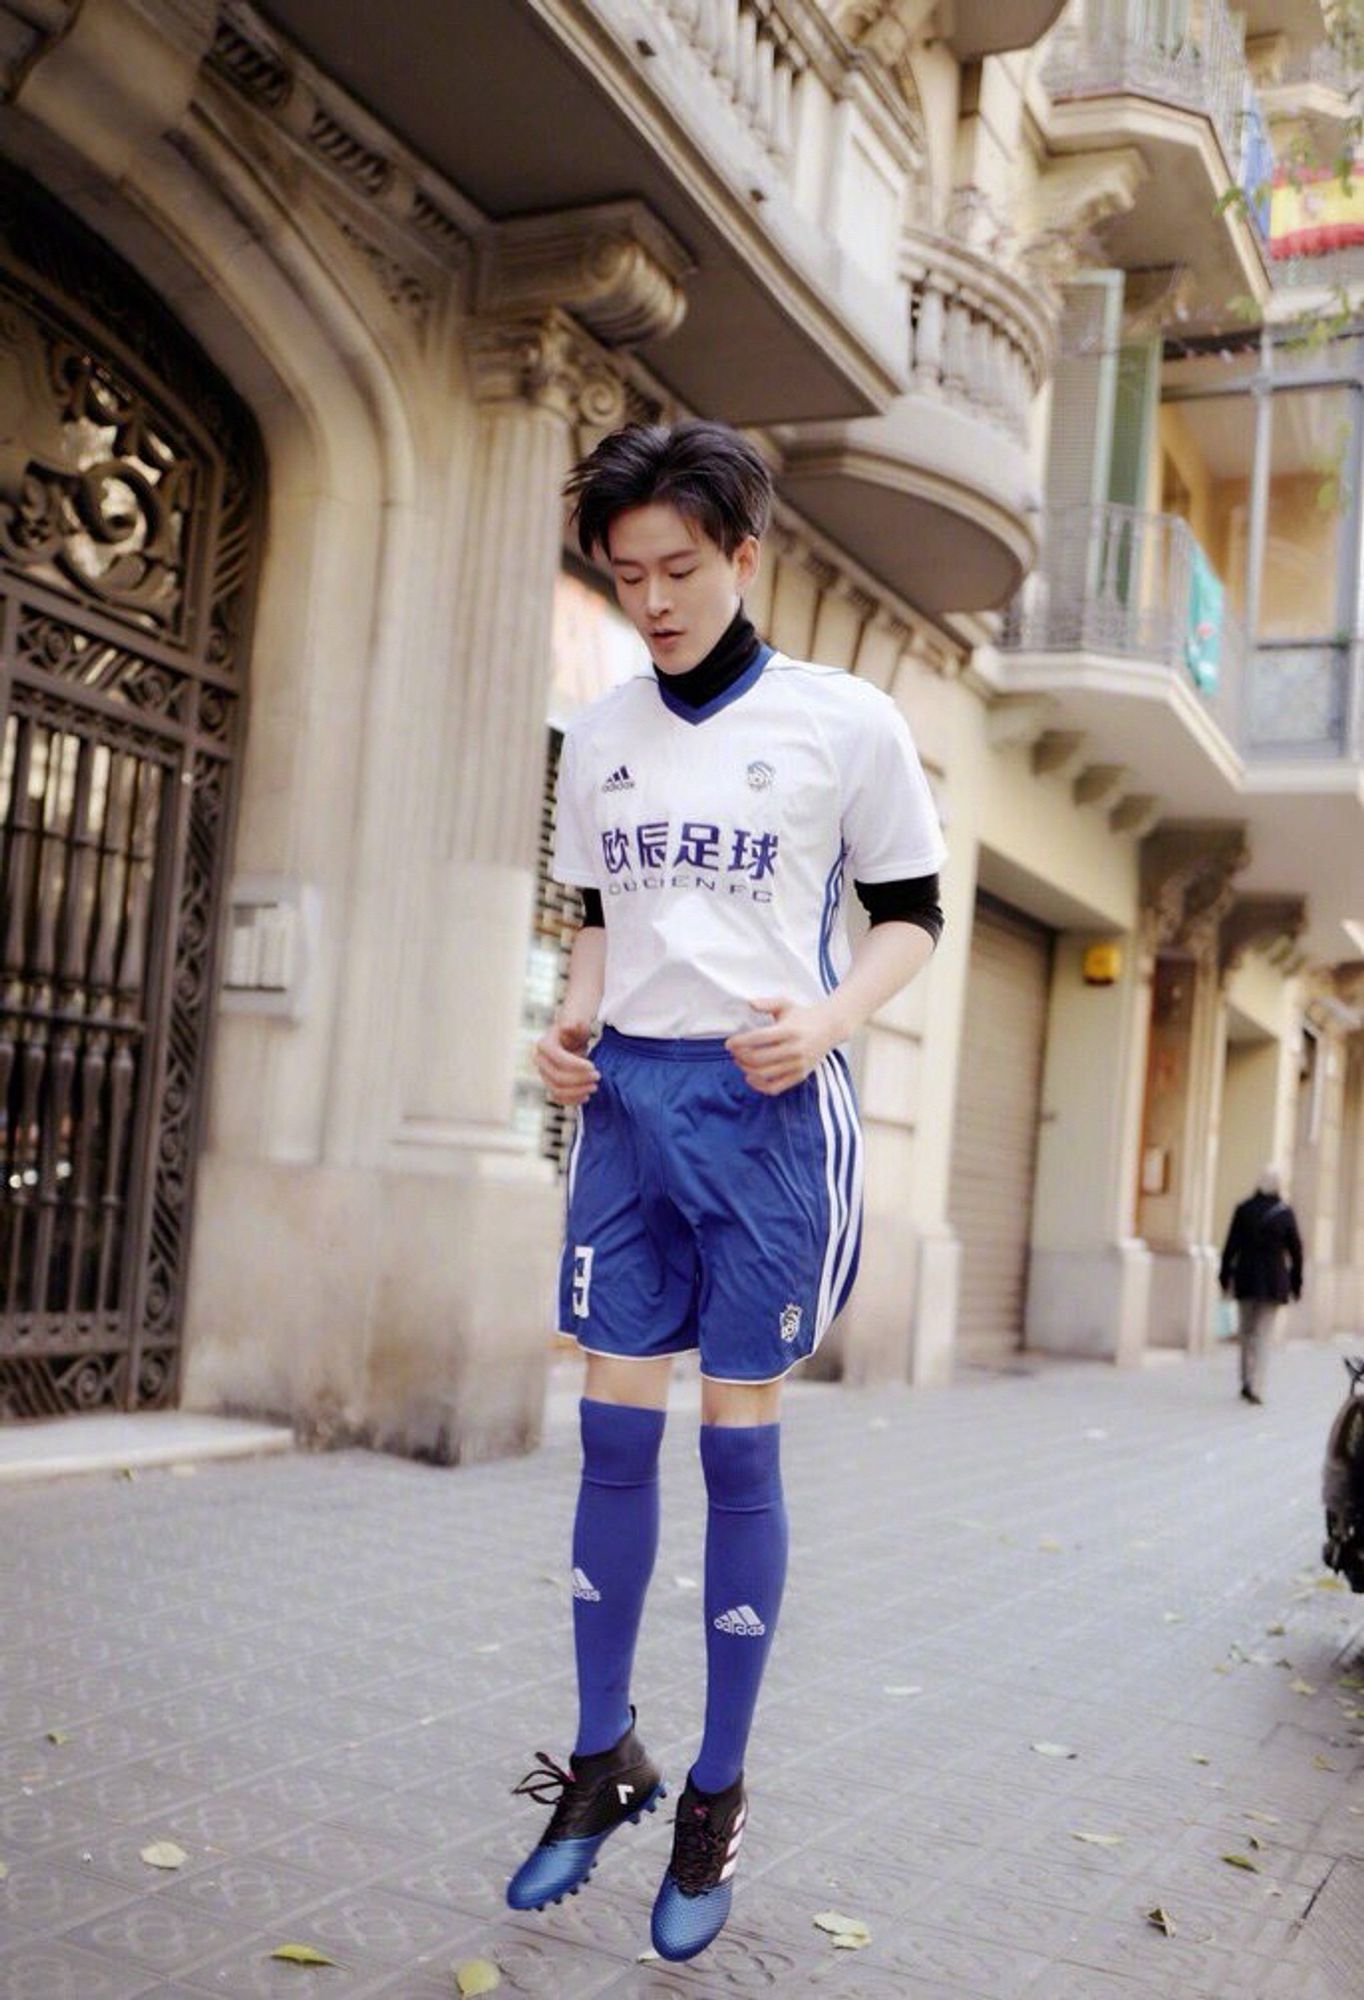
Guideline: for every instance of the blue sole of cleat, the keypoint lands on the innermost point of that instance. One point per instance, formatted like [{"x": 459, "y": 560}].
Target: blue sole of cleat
[{"x": 650, "y": 1805}]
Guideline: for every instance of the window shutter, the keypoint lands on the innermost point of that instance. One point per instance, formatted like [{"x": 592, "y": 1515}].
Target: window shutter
[
  {"x": 1136, "y": 395},
  {"x": 1084, "y": 390}
]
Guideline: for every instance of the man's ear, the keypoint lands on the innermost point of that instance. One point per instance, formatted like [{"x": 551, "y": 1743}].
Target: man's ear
[{"x": 746, "y": 558}]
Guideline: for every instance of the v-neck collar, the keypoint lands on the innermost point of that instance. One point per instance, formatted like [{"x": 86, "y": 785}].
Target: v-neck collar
[{"x": 745, "y": 681}]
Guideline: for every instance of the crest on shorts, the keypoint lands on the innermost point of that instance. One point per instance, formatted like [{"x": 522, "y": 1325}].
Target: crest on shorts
[
  {"x": 760, "y": 775},
  {"x": 790, "y": 1322}
]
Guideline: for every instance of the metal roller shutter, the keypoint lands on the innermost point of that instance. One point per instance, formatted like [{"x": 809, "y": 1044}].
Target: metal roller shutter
[{"x": 994, "y": 1148}]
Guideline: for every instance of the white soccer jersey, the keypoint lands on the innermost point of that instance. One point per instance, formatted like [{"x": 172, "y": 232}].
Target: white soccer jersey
[{"x": 720, "y": 838}]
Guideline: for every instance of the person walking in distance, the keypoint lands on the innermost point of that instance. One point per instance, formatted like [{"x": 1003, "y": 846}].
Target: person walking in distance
[
  {"x": 709, "y": 810},
  {"x": 1261, "y": 1269}
]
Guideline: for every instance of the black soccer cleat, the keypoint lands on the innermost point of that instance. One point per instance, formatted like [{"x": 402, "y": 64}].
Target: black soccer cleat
[
  {"x": 695, "y": 1894},
  {"x": 591, "y": 1799}
]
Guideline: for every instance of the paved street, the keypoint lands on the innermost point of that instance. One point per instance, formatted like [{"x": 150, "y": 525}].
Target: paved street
[{"x": 320, "y": 1676}]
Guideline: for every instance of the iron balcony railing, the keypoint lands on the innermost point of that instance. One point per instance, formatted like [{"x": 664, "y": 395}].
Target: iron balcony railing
[
  {"x": 1184, "y": 52},
  {"x": 1117, "y": 582}
]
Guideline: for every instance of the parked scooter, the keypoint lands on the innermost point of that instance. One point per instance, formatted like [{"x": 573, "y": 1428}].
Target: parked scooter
[{"x": 1342, "y": 1483}]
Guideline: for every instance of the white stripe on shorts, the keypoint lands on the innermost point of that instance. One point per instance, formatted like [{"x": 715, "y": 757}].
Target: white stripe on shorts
[
  {"x": 839, "y": 1122},
  {"x": 848, "y": 1248}
]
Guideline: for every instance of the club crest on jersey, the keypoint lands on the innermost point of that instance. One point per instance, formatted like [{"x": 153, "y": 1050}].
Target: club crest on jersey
[
  {"x": 760, "y": 775},
  {"x": 790, "y": 1322},
  {"x": 619, "y": 780}
]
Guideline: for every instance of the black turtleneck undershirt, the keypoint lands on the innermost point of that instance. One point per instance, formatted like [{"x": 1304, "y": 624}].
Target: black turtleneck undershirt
[{"x": 911, "y": 901}]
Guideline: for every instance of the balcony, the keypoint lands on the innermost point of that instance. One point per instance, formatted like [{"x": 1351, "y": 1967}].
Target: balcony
[
  {"x": 778, "y": 158},
  {"x": 937, "y": 496},
  {"x": 1122, "y": 73},
  {"x": 979, "y": 28},
  {"x": 1124, "y": 626},
  {"x": 1315, "y": 84},
  {"x": 1123, "y": 640}
]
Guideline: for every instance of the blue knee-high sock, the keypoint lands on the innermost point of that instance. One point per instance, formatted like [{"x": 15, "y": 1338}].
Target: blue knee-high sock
[
  {"x": 745, "y": 1571},
  {"x": 615, "y": 1539}
]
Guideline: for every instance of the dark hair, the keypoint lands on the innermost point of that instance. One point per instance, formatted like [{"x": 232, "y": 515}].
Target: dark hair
[{"x": 707, "y": 471}]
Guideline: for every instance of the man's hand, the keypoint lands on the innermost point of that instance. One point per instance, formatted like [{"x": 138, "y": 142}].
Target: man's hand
[
  {"x": 773, "y": 1059},
  {"x": 566, "y": 1073}
]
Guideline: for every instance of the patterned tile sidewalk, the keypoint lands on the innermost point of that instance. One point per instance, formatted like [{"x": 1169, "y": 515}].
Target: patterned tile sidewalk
[{"x": 320, "y": 1676}]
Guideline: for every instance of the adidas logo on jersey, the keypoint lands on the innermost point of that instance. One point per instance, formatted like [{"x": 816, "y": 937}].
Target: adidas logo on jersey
[
  {"x": 584, "y": 1587},
  {"x": 743, "y": 1622},
  {"x": 619, "y": 780},
  {"x": 790, "y": 1322}
]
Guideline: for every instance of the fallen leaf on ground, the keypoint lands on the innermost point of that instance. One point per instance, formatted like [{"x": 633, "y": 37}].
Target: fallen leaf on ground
[
  {"x": 1054, "y": 1750},
  {"x": 1173, "y": 1617},
  {"x": 898, "y": 1687},
  {"x": 1321, "y": 1763},
  {"x": 1301, "y": 1687},
  {"x": 477, "y": 1975},
  {"x": 1199, "y": 1758},
  {"x": 58, "y": 1736},
  {"x": 646, "y": 1957},
  {"x": 1241, "y": 1861},
  {"x": 1256, "y": 1842},
  {"x": 1329, "y": 1583},
  {"x": 1161, "y": 1920},
  {"x": 1221, "y": 1667},
  {"x": 1265, "y": 1819},
  {"x": 163, "y": 1854},
  {"x": 492, "y": 1646},
  {"x": 1099, "y": 1839},
  {"x": 1276, "y": 1630},
  {"x": 301, "y": 1954},
  {"x": 848, "y": 1933},
  {"x": 1049, "y": 1543}
]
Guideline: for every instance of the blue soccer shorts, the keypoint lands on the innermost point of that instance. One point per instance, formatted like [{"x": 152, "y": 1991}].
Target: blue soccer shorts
[{"x": 704, "y": 1214}]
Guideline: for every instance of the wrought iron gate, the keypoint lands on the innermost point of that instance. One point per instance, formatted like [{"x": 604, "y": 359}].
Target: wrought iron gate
[{"x": 130, "y": 495}]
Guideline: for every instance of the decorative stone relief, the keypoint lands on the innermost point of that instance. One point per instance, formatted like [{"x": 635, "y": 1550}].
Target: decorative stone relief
[
  {"x": 613, "y": 265},
  {"x": 1186, "y": 885},
  {"x": 405, "y": 292},
  {"x": 1257, "y": 920},
  {"x": 1073, "y": 198},
  {"x": 546, "y": 360}
]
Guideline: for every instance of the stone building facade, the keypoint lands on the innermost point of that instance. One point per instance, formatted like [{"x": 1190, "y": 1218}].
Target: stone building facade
[{"x": 372, "y": 284}]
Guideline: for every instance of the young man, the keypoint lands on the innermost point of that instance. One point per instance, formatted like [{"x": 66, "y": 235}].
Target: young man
[{"x": 709, "y": 811}]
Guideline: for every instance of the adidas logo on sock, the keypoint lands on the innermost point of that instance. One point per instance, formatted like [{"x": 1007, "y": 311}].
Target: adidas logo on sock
[
  {"x": 584, "y": 1587},
  {"x": 619, "y": 780},
  {"x": 743, "y": 1621}
]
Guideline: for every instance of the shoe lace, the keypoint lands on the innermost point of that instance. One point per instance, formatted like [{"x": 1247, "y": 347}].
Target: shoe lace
[
  {"x": 698, "y": 1850},
  {"x": 549, "y": 1785}
]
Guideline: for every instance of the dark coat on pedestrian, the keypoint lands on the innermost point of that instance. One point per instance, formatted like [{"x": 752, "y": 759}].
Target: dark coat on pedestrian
[{"x": 1262, "y": 1258}]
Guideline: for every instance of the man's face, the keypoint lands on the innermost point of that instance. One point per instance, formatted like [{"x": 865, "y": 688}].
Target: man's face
[{"x": 677, "y": 587}]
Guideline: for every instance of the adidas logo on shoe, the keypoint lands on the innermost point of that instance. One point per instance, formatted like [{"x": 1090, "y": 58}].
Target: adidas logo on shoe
[
  {"x": 584, "y": 1587},
  {"x": 743, "y": 1621},
  {"x": 619, "y": 780}
]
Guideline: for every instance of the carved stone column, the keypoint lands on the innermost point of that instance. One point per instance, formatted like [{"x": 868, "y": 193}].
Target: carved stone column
[
  {"x": 1187, "y": 891},
  {"x": 548, "y": 290}
]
